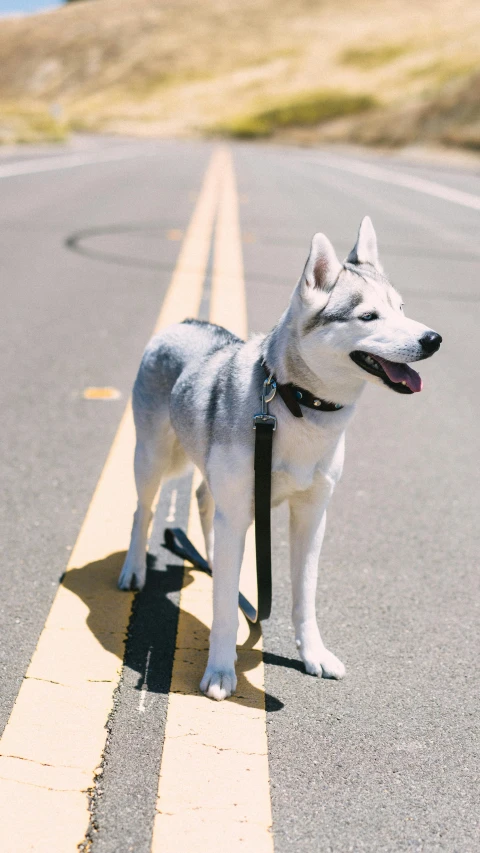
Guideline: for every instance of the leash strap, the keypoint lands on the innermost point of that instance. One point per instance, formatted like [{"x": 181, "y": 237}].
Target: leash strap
[
  {"x": 178, "y": 543},
  {"x": 263, "y": 533}
]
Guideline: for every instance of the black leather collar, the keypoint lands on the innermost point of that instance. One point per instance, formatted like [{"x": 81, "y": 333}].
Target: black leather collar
[{"x": 294, "y": 397}]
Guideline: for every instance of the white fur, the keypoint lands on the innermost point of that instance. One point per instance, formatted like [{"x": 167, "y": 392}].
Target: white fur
[{"x": 194, "y": 398}]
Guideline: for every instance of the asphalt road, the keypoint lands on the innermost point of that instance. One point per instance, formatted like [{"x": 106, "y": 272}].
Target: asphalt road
[{"x": 387, "y": 760}]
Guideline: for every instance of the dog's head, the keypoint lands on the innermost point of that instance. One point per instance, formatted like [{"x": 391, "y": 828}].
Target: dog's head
[{"x": 352, "y": 311}]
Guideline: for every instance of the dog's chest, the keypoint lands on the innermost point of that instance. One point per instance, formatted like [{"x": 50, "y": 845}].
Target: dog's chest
[
  {"x": 286, "y": 483},
  {"x": 302, "y": 456}
]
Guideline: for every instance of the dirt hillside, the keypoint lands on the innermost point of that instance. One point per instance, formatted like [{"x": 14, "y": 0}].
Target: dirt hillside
[{"x": 371, "y": 71}]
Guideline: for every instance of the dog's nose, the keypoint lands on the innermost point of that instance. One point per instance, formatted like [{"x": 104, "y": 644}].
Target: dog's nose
[{"x": 430, "y": 342}]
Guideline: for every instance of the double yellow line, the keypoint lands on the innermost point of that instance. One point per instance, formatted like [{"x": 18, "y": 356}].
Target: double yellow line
[{"x": 214, "y": 773}]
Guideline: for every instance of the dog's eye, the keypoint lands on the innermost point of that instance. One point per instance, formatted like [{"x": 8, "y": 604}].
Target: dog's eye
[{"x": 370, "y": 315}]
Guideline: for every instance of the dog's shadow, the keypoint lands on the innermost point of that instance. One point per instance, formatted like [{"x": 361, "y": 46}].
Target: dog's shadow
[{"x": 152, "y": 628}]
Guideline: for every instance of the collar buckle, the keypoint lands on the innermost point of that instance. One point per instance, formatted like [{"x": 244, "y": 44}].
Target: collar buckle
[{"x": 293, "y": 396}]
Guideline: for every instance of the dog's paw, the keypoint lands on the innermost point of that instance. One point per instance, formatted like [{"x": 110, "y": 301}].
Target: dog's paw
[
  {"x": 132, "y": 577},
  {"x": 218, "y": 683},
  {"x": 323, "y": 663}
]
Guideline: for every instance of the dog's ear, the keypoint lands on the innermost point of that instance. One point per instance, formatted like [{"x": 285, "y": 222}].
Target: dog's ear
[
  {"x": 365, "y": 250},
  {"x": 321, "y": 270}
]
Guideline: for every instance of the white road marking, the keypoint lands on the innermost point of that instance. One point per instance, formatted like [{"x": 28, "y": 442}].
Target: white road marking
[
  {"x": 144, "y": 688},
  {"x": 172, "y": 510},
  {"x": 401, "y": 210},
  {"x": 389, "y": 176},
  {"x": 71, "y": 161}
]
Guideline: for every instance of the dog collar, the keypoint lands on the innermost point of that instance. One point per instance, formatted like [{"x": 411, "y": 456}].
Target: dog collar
[{"x": 294, "y": 397}]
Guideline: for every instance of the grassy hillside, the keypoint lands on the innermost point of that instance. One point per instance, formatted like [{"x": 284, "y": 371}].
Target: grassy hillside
[{"x": 371, "y": 71}]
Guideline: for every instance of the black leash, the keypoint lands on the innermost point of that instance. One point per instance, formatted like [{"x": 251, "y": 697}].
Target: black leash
[
  {"x": 263, "y": 534},
  {"x": 178, "y": 543},
  {"x": 264, "y": 425}
]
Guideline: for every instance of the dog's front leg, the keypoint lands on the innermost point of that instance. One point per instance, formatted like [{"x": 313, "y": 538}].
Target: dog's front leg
[
  {"x": 219, "y": 680},
  {"x": 307, "y": 527}
]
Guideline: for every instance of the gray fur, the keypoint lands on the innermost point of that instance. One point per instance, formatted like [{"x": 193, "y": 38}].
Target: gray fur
[
  {"x": 341, "y": 315},
  {"x": 197, "y": 390}
]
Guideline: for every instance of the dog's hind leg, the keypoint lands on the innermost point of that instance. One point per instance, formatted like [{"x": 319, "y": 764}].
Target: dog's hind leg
[
  {"x": 206, "y": 508},
  {"x": 307, "y": 527},
  {"x": 154, "y": 453}
]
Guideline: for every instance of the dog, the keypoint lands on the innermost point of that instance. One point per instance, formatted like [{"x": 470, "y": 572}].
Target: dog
[{"x": 194, "y": 399}]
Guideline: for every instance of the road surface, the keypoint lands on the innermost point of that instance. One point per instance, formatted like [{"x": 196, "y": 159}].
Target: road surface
[{"x": 387, "y": 760}]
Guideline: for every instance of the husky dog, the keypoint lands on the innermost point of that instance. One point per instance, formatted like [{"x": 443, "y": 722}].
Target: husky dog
[{"x": 194, "y": 398}]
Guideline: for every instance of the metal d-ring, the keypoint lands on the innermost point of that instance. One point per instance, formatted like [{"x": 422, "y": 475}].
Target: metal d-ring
[{"x": 266, "y": 397}]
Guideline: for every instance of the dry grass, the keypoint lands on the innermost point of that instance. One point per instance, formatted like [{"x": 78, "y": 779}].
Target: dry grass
[
  {"x": 256, "y": 67},
  {"x": 366, "y": 58},
  {"x": 29, "y": 122},
  {"x": 302, "y": 110},
  {"x": 451, "y": 116}
]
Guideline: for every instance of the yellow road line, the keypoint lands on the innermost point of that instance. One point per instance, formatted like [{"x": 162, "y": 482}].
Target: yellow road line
[
  {"x": 214, "y": 783},
  {"x": 93, "y": 393},
  {"x": 228, "y": 305},
  {"x": 56, "y": 733}
]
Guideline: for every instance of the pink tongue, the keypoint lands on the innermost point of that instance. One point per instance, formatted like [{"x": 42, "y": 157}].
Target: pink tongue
[{"x": 401, "y": 373}]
